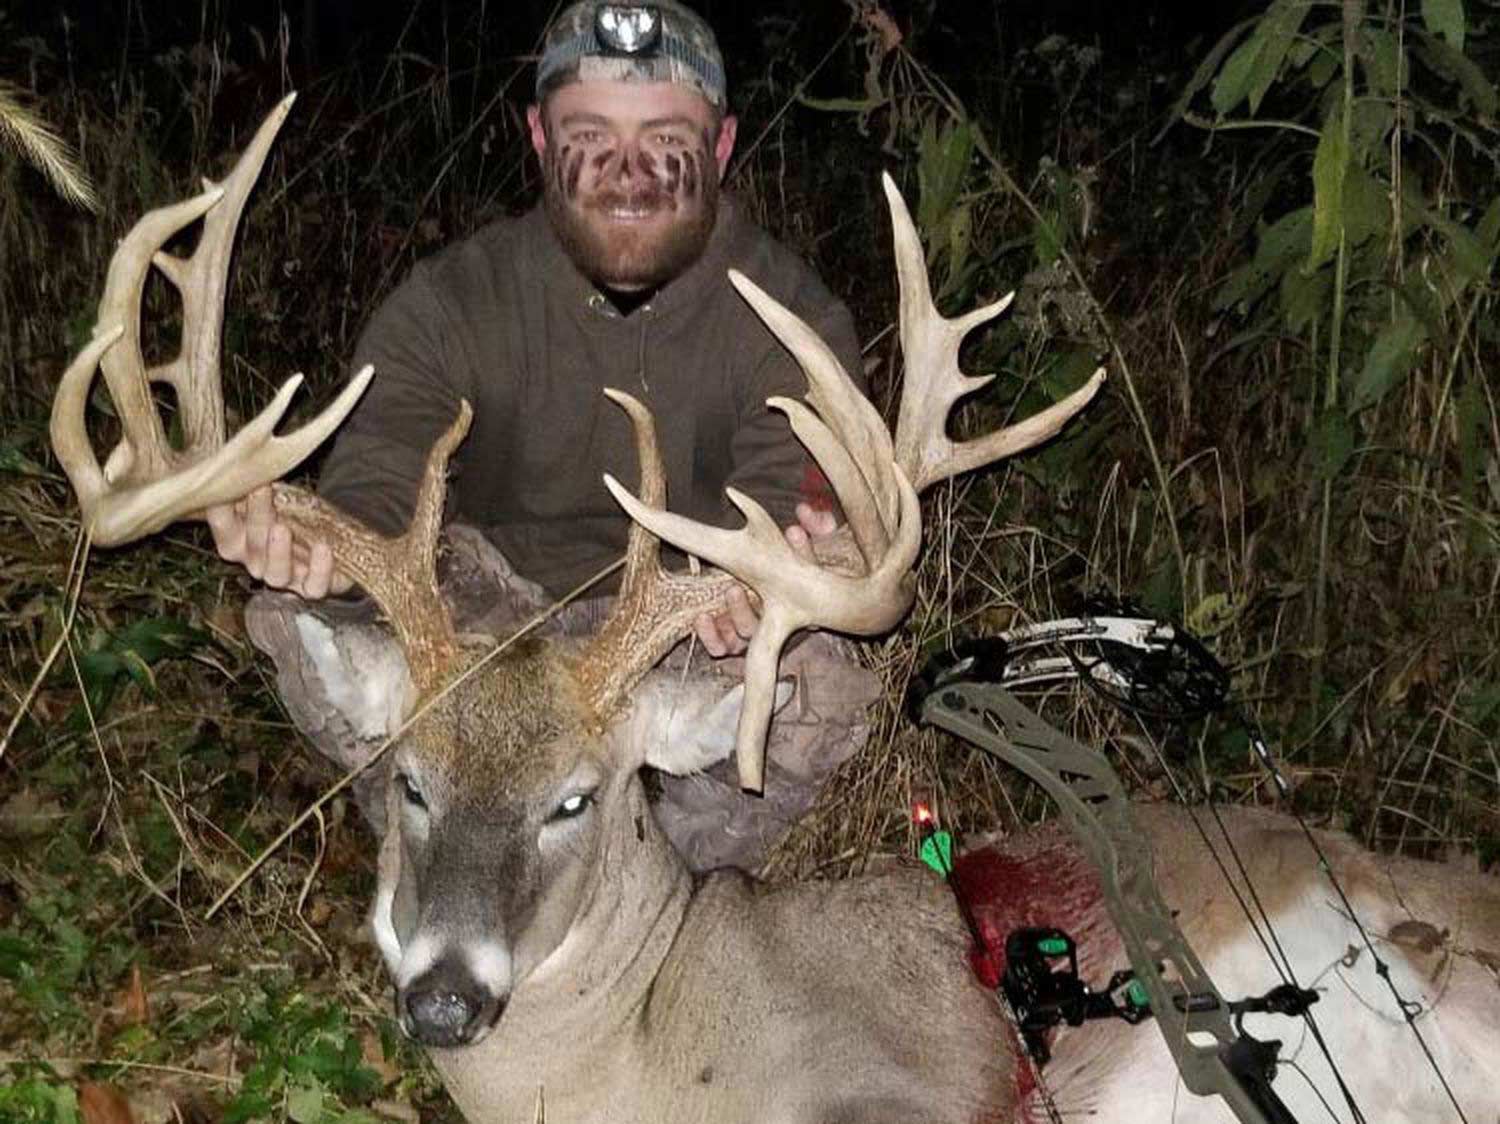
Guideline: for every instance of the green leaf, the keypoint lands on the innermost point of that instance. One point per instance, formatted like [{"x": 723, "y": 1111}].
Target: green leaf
[
  {"x": 1471, "y": 415},
  {"x": 1329, "y": 166},
  {"x": 1212, "y": 615},
  {"x": 1482, "y": 703},
  {"x": 1488, "y": 230},
  {"x": 842, "y": 105},
  {"x": 1277, "y": 32},
  {"x": 137, "y": 668},
  {"x": 13, "y": 458},
  {"x": 247, "y": 1105},
  {"x": 16, "y": 955},
  {"x": 1162, "y": 592},
  {"x": 1250, "y": 71},
  {"x": 1233, "y": 84},
  {"x": 1389, "y": 361},
  {"x": 304, "y": 1104},
  {"x": 1305, "y": 298},
  {"x": 1325, "y": 66},
  {"x": 943, "y": 159},
  {"x": 1206, "y": 69},
  {"x": 1367, "y": 207},
  {"x": 1369, "y": 129},
  {"x": 1384, "y": 62},
  {"x": 155, "y": 638},
  {"x": 960, "y": 236},
  {"x": 1445, "y": 18},
  {"x": 1280, "y": 246},
  {"x": 42, "y": 1102},
  {"x": 1458, "y": 67},
  {"x": 1332, "y": 445}
]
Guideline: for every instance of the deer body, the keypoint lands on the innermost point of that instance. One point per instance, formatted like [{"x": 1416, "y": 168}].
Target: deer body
[{"x": 660, "y": 998}]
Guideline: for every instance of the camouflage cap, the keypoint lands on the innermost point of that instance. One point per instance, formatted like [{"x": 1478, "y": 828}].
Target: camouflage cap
[{"x": 663, "y": 41}]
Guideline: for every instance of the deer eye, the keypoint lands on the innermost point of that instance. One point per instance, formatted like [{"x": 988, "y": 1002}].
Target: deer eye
[
  {"x": 574, "y": 806},
  {"x": 413, "y": 794}
]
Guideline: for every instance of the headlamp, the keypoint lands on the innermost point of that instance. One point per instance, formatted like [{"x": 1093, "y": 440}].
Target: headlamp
[
  {"x": 628, "y": 29},
  {"x": 660, "y": 41}
]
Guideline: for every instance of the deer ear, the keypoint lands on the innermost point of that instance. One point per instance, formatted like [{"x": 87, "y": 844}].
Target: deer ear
[
  {"x": 688, "y": 727},
  {"x": 342, "y": 677}
]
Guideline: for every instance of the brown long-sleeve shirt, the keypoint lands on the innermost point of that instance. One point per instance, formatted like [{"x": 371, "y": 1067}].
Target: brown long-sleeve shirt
[{"x": 505, "y": 320}]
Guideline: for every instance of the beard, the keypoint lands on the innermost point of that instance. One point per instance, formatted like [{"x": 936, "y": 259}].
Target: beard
[{"x": 638, "y": 253}]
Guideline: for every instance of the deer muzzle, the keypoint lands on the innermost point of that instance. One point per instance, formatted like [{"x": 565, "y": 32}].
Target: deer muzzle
[{"x": 447, "y": 1006}]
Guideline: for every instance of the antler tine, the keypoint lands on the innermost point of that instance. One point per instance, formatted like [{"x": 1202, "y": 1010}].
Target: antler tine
[
  {"x": 933, "y": 381},
  {"x": 203, "y": 280},
  {"x": 656, "y": 607},
  {"x": 399, "y": 572},
  {"x": 145, "y": 484},
  {"x": 845, "y": 421},
  {"x": 642, "y": 548}
]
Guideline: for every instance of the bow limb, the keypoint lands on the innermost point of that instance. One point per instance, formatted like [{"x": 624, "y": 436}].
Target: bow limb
[{"x": 1212, "y": 1057}]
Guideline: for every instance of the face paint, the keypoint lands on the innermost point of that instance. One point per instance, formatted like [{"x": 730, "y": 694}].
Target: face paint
[
  {"x": 631, "y": 213},
  {"x": 566, "y": 172}
]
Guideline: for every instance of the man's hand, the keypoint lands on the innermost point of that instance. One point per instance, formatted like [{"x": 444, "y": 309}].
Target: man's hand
[
  {"x": 248, "y": 532},
  {"x": 728, "y": 633}
]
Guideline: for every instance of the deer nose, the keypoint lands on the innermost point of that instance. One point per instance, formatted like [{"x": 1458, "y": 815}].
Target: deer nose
[{"x": 451, "y": 1012}]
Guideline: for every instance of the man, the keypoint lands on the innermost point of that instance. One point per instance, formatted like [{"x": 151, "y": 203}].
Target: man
[{"x": 618, "y": 278}]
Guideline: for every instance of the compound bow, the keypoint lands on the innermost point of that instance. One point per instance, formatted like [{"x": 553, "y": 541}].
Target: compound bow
[{"x": 1150, "y": 667}]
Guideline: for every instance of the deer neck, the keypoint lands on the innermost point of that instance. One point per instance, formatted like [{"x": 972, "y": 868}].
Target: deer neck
[
  {"x": 579, "y": 1012},
  {"x": 632, "y": 904}
]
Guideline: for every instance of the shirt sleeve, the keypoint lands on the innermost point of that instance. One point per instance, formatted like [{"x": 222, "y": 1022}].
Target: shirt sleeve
[
  {"x": 770, "y": 464},
  {"x": 377, "y": 461}
]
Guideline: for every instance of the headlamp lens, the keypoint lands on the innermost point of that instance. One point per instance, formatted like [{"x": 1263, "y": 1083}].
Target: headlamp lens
[{"x": 627, "y": 29}]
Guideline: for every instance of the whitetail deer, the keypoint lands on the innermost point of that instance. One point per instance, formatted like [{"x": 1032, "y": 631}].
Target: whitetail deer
[{"x": 545, "y": 940}]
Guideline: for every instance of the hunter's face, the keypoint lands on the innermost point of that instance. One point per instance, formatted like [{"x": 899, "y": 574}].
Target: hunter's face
[{"x": 631, "y": 177}]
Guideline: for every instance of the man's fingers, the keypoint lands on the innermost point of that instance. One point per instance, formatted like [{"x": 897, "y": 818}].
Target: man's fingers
[
  {"x": 708, "y": 635},
  {"x": 730, "y": 640},
  {"x": 318, "y": 579},
  {"x": 740, "y": 616},
  {"x": 818, "y": 522},
  {"x": 259, "y": 518},
  {"x": 812, "y": 523},
  {"x": 277, "y": 571},
  {"x": 248, "y": 532},
  {"x": 801, "y": 545},
  {"x": 227, "y": 524}
]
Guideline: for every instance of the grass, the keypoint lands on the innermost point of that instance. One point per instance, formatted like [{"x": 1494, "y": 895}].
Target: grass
[{"x": 148, "y": 760}]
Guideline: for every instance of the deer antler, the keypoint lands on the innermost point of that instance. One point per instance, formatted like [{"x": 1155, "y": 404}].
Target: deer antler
[
  {"x": 862, "y": 581},
  {"x": 930, "y": 343},
  {"x": 145, "y": 483}
]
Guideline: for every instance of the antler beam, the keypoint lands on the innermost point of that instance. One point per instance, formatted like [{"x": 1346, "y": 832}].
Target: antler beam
[{"x": 861, "y": 582}]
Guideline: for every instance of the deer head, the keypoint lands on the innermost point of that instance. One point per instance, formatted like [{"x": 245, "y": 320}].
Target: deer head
[{"x": 514, "y": 811}]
